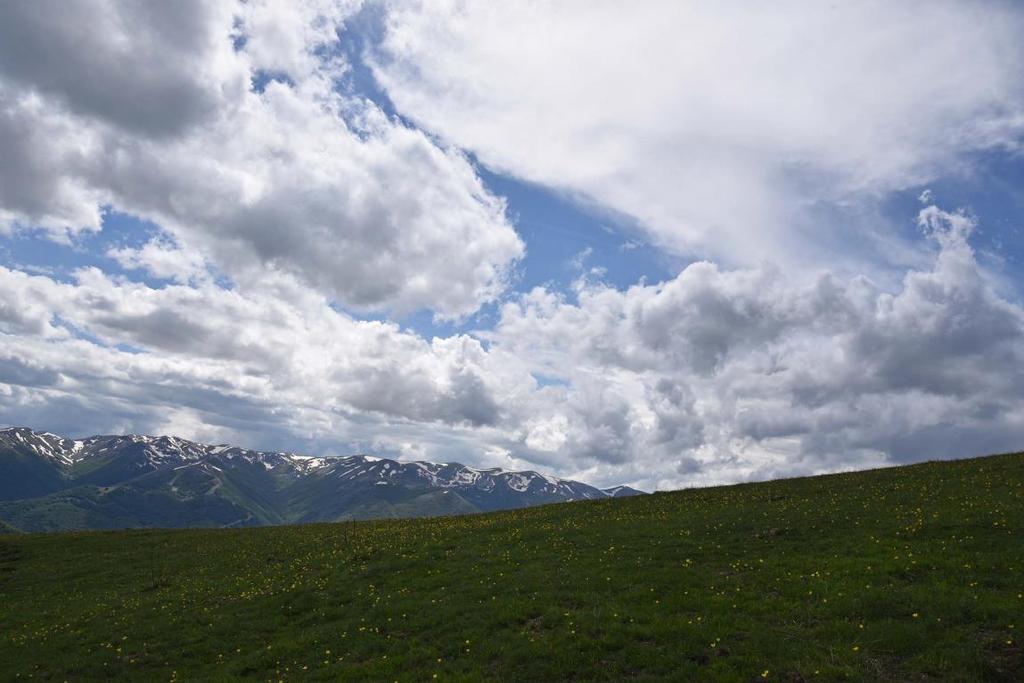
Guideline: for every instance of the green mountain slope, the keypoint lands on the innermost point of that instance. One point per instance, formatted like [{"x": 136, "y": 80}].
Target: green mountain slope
[
  {"x": 26, "y": 476},
  {"x": 913, "y": 573},
  {"x": 121, "y": 507}
]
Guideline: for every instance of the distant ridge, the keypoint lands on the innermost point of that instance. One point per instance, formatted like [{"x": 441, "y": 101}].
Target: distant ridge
[{"x": 49, "y": 482}]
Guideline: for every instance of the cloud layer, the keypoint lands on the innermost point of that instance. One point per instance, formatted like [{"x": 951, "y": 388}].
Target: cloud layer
[{"x": 285, "y": 204}]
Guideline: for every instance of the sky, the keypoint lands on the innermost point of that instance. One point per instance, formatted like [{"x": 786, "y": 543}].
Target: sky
[{"x": 663, "y": 244}]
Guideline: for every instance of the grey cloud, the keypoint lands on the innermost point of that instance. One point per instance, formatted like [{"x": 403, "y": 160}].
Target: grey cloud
[
  {"x": 679, "y": 428},
  {"x": 454, "y": 393},
  {"x": 137, "y": 65},
  {"x": 601, "y": 424},
  {"x": 472, "y": 400},
  {"x": 161, "y": 328},
  {"x": 39, "y": 176},
  {"x": 25, "y": 373}
]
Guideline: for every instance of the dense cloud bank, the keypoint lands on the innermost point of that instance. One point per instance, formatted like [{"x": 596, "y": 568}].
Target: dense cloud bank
[
  {"x": 284, "y": 204},
  {"x": 715, "y": 375},
  {"x": 749, "y": 373}
]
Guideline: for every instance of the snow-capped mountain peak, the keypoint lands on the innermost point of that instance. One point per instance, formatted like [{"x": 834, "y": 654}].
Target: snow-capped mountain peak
[{"x": 43, "y": 444}]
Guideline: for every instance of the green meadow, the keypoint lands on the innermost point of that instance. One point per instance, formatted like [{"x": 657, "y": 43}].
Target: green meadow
[{"x": 911, "y": 573}]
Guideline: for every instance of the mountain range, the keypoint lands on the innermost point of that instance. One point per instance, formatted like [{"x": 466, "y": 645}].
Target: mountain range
[{"x": 53, "y": 483}]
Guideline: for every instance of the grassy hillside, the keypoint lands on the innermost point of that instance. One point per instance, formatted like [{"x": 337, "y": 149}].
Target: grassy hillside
[{"x": 914, "y": 573}]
